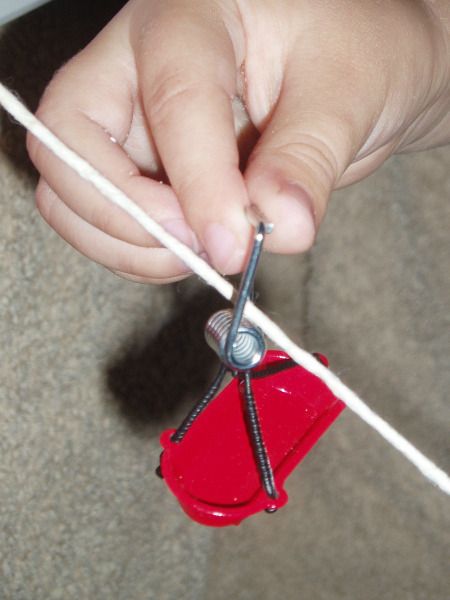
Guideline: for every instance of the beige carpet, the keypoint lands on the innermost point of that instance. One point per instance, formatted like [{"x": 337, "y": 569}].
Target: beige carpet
[{"x": 93, "y": 368}]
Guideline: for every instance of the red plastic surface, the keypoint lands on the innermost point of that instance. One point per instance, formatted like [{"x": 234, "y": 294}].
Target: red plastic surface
[{"x": 212, "y": 471}]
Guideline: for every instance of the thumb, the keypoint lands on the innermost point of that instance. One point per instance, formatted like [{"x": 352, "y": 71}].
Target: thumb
[{"x": 301, "y": 155}]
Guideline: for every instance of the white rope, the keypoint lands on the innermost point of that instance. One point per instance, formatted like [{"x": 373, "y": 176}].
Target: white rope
[{"x": 431, "y": 471}]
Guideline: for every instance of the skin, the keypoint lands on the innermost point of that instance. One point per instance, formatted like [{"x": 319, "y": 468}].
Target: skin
[{"x": 198, "y": 109}]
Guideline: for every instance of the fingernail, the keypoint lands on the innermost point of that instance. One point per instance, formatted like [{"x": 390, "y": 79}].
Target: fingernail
[
  {"x": 220, "y": 246},
  {"x": 181, "y": 230},
  {"x": 296, "y": 198},
  {"x": 296, "y": 217}
]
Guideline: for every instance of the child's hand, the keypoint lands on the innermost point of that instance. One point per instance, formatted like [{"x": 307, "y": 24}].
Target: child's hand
[{"x": 333, "y": 89}]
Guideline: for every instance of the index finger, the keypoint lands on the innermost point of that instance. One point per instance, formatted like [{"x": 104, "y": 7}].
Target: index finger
[{"x": 187, "y": 64}]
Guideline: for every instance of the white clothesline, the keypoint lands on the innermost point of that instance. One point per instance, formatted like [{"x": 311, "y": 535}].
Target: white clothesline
[{"x": 86, "y": 171}]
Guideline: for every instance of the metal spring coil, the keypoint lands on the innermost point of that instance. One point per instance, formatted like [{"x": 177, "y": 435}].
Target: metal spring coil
[{"x": 248, "y": 348}]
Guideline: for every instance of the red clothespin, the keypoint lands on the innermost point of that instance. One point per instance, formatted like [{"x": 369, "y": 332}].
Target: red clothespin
[{"x": 232, "y": 453}]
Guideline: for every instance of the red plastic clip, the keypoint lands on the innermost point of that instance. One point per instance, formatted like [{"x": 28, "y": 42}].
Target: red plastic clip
[{"x": 212, "y": 470}]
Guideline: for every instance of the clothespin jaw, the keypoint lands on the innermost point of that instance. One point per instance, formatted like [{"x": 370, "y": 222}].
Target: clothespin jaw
[{"x": 213, "y": 472}]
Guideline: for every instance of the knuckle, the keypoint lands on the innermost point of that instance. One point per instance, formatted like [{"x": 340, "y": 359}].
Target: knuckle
[
  {"x": 35, "y": 147},
  {"x": 312, "y": 152},
  {"x": 170, "y": 91},
  {"x": 46, "y": 202},
  {"x": 131, "y": 262},
  {"x": 192, "y": 181},
  {"x": 175, "y": 92},
  {"x": 37, "y": 151},
  {"x": 105, "y": 218}
]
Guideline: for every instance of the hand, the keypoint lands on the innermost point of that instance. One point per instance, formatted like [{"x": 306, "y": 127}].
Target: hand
[{"x": 330, "y": 90}]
